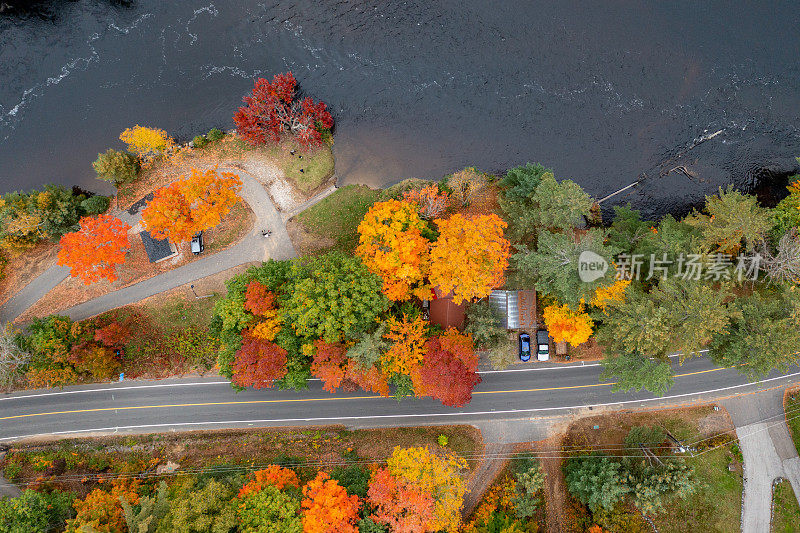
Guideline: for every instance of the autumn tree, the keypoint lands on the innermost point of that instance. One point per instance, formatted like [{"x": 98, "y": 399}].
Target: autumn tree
[
  {"x": 392, "y": 246},
  {"x": 429, "y": 200},
  {"x": 448, "y": 372},
  {"x": 273, "y": 108},
  {"x": 327, "y": 508},
  {"x": 147, "y": 143},
  {"x": 275, "y": 475},
  {"x": 564, "y": 324},
  {"x": 333, "y": 297},
  {"x": 399, "y": 504},
  {"x": 194, "y": 203},
  {"x": 258, "y": 363},
  {"x": 94, "y": 251},
  {"x": 146, "y": 516},
  {"x": 407, "y": 338},
  {"x": 328, "y": 364},
  {"x": 99, "y": 361},
  {"x": 465, "y": 184},
  {"x": 554, "y": 265},
  {"x": 733, "y": 219},
  {"x": 439, "y": 476},
  {"x": 112, "y": 334},
  {"x": 613, "y": 293},
  {"x": 102, "y": 510},
  {"x": 470, "y": 256},
  {"x": 116, "y": 167}
]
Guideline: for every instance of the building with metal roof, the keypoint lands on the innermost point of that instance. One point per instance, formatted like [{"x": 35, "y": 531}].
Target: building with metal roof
[{"x": 517, "y": 309}]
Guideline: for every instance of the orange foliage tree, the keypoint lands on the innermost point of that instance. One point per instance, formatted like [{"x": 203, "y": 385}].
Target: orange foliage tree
[
  {"x": 102, "y": 510},
  {"x": 194, "y": 203},
  {"x": 260, "y": 301},
  {"x": 94, "y": 251},
  {"x": 399, "y": 504},
  {"x": 327, "y": 508},
  {"x": 328, "y": 364},
  {"x": 392, "y": 246},
  {"x": 429, "y": 201},
  {"x": 470, "y": 256},
  {"x": 274, "y": 475},
  {"x": 258, "y": 363},
  {"x": 331, "y": 365},
  {"x": 448, "y": 372},
  {"x": 565, "y": 324},
  {"x": 408, "y": 339}
]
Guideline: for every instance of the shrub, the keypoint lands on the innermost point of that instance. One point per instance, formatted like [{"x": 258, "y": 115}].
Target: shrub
[
  {"x": 95, "y": 205},
  {"x": 117, "y": 167},
  {"x": 442, "y": 440},
  {"x": 199, "y": 141},
  {"x": 214, "y": 135}
]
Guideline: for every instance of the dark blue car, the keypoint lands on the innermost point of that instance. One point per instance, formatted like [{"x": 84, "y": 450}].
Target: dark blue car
[{"x": 524, "y": 347}]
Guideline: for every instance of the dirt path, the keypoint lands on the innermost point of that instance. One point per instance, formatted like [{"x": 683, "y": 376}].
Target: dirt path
[{"x": 495, "y": 456}]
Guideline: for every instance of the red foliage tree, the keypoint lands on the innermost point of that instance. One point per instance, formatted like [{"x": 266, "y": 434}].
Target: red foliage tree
[
  {"x": 112, "y": 334},
  {"x": 273, "y": 108},
  {"x": 94, "y": 251},
  {"x": 258, "y": 363},
  {"x": 328, "y": 364},
  {"x": 258, "y": 299},
  {"x": 404, "y": 508},
  {"x": 372, "y": 380},
  {"x": 447, "y": 372}
]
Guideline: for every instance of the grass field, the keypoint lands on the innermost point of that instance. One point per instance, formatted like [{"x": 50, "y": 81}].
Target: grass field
[
  {"x": 337, "y": 217},
  {"x": 792, "y": 407},
  {"x": 786, "y": 511}
]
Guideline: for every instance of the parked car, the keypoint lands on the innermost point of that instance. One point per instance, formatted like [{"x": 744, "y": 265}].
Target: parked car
[
  {"x": 524, "y": 347},
  {"x": 197, "y": 245},
  {"x": 542, "y": 345}
]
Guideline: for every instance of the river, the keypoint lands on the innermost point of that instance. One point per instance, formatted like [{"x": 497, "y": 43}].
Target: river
[{"x": 606, "y": 93}]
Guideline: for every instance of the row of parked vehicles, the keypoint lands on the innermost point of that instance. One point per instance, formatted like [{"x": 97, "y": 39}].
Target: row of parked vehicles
[{"x": 542, "y": 346}]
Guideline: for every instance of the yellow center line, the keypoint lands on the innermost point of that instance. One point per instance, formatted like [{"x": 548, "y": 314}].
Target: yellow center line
[{"x": 302, "y": 400}]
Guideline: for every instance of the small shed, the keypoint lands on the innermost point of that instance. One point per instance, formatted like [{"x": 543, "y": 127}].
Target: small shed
[
  {"x": 517, "y": 309},
  {"x": 156, "y": 249},
  {"x": 445, "y": 312}
]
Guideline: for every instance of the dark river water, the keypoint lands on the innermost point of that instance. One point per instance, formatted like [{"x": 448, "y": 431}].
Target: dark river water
[{"x": 687, "y": 95}]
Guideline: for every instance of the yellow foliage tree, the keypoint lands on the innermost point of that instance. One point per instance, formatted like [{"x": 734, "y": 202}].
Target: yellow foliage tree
[
  {"x": 147, "y": 143},
  {"x": 269, "y": 326},
  {"x": 439, "y": 476},
  {"x": 392, "y": 246},
  {"x": 470, "y": 256},
  {"x": 407, "y": 349},
  {"x": 565, "y": 324},
  {"x": 613, "y": 293}
]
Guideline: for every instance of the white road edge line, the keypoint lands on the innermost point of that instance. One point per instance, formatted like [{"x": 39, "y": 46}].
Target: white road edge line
[
  {"x": 194, "y": 384},
  {"x": 413, "y": 415}
]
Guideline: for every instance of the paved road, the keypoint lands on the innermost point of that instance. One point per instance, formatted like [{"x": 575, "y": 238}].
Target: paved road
[
  {"x": 522, "y": 395},
  {"x": 768, "y": 452}
]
